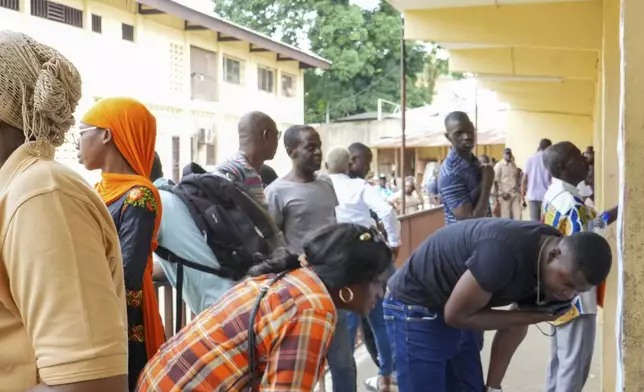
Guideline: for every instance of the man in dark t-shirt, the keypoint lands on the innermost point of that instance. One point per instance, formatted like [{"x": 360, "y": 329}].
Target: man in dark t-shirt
[{"x": 444, "y": 293}]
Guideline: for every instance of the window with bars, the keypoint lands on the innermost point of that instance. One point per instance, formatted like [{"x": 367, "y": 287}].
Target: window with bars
[
  {"x": 57, "y": 12},
  {"x": 97, "y": 24},
  {"x": 265, "y": 79},
  {"x": 232, "y": 71},
  {"x": 211, "y": 154},
  {"x": 128, "y": 32},
  {"x": 203, "y": 74},
  {"x": 176, "y": 158},
  {"x": 10, "y": 4},
  {"x": 193, "y": 147},
  {"x": 288, "y": 85}
]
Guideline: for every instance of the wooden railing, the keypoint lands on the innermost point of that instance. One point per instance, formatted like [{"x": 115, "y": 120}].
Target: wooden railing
[
  {"x": 415, "y": 228},
  {"x": 166, "y": 295}
]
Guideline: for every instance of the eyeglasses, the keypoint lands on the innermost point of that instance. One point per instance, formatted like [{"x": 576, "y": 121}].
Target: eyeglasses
[{"x": 75, "y": 134}]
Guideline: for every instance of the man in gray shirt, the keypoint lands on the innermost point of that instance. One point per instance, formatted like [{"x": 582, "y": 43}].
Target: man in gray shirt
[{"x": 300, "y": 203}]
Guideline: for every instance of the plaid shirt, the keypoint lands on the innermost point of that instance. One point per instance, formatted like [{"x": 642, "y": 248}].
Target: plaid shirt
[{"x": 294, "y": 326}]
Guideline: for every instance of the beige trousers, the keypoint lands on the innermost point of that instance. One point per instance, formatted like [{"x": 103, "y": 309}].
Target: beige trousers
[{"x": 511, "y": 209}]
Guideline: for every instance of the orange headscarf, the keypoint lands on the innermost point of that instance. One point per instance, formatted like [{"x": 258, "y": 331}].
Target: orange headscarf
[{"x": 134, "y": 131}]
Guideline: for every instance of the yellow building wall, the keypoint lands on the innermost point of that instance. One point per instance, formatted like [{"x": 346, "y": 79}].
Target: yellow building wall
[
  {"x": 526, "y": 129},
  {"x": 562, "y": 25},
  {"x": 155, "y": 69}
]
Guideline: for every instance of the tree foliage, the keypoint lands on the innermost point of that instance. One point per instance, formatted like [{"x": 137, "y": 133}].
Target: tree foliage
[{"x": 364, "y": 46}]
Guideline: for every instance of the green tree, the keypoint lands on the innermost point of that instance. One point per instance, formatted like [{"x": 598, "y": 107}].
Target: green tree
[
  {"x": 286, "y": 20},
  {"x": 364, "y": 46},
  {"x": 434, "y": 67}
]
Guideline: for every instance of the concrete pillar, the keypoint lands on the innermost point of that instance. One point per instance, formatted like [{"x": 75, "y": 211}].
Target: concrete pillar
[
  {"x": 630, "y": 227},
  {"x": 606, "y": 175}
]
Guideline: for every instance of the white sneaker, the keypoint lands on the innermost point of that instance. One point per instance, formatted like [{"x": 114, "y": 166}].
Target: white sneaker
[
  {"x": 372, "y": 384},
  {"x": 490, "y": 389}
]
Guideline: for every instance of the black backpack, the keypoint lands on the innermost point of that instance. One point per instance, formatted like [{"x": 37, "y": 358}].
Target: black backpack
[{"x": 237, "y": 228}]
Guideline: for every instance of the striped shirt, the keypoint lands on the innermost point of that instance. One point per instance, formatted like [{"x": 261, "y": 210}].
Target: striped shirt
[
  {"x": 294, "y": 326},
  {"x": 238, "y": 168},
  {"x": 459, "y": 184},
  {"x": 564, "y": 209}
]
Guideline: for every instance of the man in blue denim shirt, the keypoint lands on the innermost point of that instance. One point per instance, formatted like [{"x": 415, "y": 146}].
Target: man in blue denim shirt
[
  {"x": 463, "y": 183},
  {"x": 450, "y": 284}
]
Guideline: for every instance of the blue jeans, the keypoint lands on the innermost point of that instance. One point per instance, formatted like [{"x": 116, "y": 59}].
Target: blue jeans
[
  {"x": 431, "y": 355},
  {"x": 340, "y": 357},
  {"x": 379, "y": 328}
]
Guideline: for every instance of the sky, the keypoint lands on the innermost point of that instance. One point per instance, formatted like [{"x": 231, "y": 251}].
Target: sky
[{"x": 366, "y": 3}]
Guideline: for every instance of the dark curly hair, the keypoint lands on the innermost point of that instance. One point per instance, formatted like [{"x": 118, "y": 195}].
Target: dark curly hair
[{"x": 340, "y": 254}]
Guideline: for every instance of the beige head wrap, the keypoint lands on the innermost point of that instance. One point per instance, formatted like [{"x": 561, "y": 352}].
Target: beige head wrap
[{"x": 39, "y": 88}]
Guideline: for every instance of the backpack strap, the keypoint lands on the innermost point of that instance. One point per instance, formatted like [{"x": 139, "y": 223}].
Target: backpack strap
[
  {"x": 193, "y": 168},
  {"x": 252, "y": 359},
  {"x": 170, "y": 257}
]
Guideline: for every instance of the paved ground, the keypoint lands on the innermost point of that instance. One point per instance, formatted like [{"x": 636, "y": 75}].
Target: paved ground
[{"x": 526, "y": 373}]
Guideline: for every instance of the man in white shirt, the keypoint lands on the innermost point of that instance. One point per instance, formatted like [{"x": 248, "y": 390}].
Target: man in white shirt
[{"x": 356, "y": 199}]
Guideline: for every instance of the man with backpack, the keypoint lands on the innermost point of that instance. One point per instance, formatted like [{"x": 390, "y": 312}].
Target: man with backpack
[
  {"x": 258, "y": 137},
  {"x": 200, "y": 290},
  {"x": 222, "y": 216}
]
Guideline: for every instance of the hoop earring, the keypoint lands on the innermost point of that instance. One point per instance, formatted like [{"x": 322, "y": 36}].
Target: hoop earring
[{"x": 342, "y": 296}]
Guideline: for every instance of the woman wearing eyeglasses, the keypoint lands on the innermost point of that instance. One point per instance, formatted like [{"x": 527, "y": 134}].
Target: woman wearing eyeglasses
[
  {"x": 117, "y": 136},
  {"x": 272, "y": 331}
]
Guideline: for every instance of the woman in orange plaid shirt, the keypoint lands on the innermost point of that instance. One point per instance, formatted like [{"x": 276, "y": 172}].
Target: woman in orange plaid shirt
[{"x": 292, "y": 300}]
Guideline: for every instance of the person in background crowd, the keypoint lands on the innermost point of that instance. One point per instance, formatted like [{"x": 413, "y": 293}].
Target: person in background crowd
[
  {"x": 463, "y": 184},
  {"x": 268, "y": 175},
  {"x": 535, "y": 181},
  {"x": 290, "y": 203},
  {"x": 359, "y": 167},
  {"x": 506, "y": 178},
  {"x": 62, "y": 300},
  {"x": 394, "y": 182},
  {"x": 494, "y": 203},
  {"x": 383, "y": 187},
  {"x": 258, "y": 139},
  {"x": 432, "y": 183},
  {"x": 157, "y": 171},
  {"x": 200, "y": 289},
  {"x": 356, "y": 200},
  {"x": 413, "y": 200},
  {"x": 360, "y": 161},
  {"x": 573, "y": 336},
  {"x": 342, "y": 266},
  {"x": 589, "y": 154},
  {"x": 434, "y": 195},
  {"x": 451, "y": 284},
  {"x": 117, "y": 136}
]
